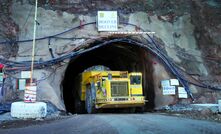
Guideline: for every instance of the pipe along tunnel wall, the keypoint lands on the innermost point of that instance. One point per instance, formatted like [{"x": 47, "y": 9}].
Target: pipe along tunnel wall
[{"x": 116, "y": 56}]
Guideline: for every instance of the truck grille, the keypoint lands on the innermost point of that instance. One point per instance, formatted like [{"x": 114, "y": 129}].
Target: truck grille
[
  {"x": 120, "y": 99},
  {"x": 119, "y": 89}
]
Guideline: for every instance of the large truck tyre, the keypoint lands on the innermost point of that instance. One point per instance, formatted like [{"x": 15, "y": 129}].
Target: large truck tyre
[{"x": 89, "y": 104}]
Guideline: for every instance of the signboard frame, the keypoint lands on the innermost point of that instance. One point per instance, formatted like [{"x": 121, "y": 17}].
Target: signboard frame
[
  {"x": 107, "y": 21},
  {"x": 169, "y": 90},
  {"x": 182, "y": 94},
  {"x": 174, "y": 82}
]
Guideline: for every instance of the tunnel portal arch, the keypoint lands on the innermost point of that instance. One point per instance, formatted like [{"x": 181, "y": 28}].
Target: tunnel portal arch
[{"x": 118, "y": 55}]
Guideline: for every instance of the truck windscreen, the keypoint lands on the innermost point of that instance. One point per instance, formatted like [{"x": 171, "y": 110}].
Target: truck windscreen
[{"x": 135, "y": 80}]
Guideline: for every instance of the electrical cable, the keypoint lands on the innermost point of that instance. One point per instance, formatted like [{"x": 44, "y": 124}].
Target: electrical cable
[
  {"x": 77, "y": 27},
  {"x": 73, "y": 54},
  {"x": 150, "y": 40},
  {"x": 52, "y": 36},
  {"x": 166, "y": 61}
]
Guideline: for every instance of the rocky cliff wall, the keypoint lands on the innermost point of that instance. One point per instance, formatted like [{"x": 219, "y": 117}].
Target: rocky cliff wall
[{"x": 187, "y": 30}]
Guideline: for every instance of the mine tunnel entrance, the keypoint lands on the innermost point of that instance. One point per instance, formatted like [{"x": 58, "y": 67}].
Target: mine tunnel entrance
[{"x": 118, "y": 56}]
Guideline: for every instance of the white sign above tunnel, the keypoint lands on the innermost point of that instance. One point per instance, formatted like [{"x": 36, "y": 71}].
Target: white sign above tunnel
[{"x": 107, "y": 21}]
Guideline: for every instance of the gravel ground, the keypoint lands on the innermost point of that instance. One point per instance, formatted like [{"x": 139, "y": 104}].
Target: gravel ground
[
  {"x": 184, "y": 111},
  {"x": 151, "y": 123},
  {"x": 10, "y": 122},
  {"x": 194, "y": 115},
  {"x": 201, "y": 112}
]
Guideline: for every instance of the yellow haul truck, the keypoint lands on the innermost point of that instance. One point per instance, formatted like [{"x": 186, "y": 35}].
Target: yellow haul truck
[{"x": 111, "y": 89}]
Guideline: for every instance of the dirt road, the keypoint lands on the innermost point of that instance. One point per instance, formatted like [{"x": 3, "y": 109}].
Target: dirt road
[{"x": 120, "y": 123}]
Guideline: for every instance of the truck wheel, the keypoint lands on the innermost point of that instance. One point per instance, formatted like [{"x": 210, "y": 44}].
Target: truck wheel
[{"x": 89, "y": 104}]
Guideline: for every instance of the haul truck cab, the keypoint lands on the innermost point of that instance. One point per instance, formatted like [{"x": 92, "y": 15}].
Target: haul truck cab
[
  {"x": 136, "y": 84},
  {"x": 111, "y": 89}
]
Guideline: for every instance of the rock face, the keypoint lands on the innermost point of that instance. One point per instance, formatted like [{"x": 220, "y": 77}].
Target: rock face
[
  {"x": 8, "y": 30},
  {"x": 207, "y": 32},
  {"x": 188, "y": 33}
]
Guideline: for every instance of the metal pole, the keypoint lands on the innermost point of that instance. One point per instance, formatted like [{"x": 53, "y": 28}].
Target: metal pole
[{"x": 33, "y": 44}]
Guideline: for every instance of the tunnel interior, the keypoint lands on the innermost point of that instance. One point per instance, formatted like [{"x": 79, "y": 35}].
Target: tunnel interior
[{"x": 116, "y": 56}]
